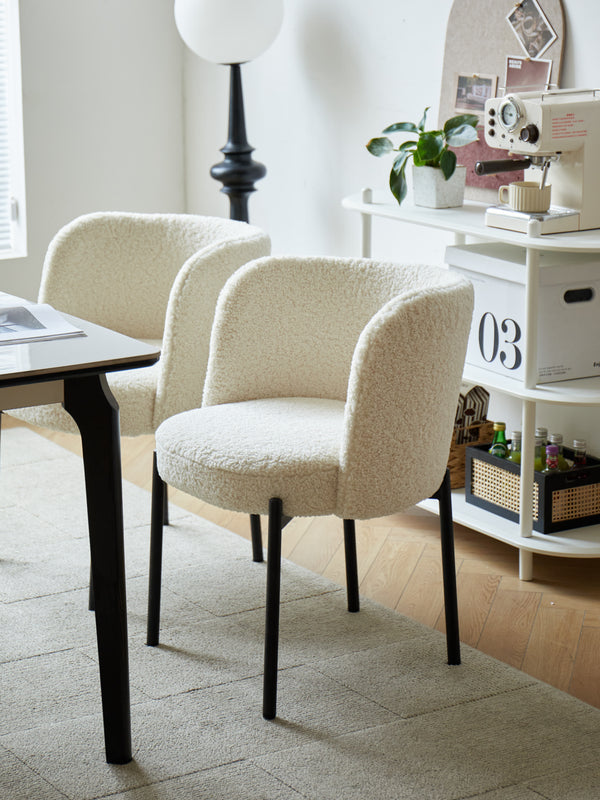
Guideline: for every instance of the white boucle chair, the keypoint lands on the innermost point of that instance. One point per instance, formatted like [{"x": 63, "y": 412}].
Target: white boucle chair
[
  {"x": 155, "y": 277},
  {"x": 331, "y": 388}
]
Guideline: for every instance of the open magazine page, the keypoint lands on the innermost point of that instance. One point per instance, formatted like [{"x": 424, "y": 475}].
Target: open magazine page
[{"x": 23, "y": 321}]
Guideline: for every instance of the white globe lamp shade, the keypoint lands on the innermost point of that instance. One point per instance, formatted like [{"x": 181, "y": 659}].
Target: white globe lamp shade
[{"x": 228, "y": 31}]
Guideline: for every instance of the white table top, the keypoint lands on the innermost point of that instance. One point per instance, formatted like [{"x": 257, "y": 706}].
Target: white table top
[{"x": 100, "y": 350}]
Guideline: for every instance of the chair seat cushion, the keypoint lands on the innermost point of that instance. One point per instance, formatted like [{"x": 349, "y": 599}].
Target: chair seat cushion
[{"x": 239, "y": 455}]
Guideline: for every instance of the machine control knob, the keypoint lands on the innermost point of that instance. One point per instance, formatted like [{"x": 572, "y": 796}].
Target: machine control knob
[{"x": 529, "y": 133}]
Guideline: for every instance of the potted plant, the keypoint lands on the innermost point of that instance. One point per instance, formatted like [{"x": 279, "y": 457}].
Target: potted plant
[{"x": 437, "y": 181}]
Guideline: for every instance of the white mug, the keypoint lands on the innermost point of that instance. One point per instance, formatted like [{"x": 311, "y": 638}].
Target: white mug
[{"x": 525, "y": 196}]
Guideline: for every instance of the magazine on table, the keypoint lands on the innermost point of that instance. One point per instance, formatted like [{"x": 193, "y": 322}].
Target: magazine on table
[{"x": 23, "y": 321}]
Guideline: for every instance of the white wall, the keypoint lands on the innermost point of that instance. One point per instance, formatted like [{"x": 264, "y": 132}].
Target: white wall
[
  {"x": 105, "y": 127},
  {"x": 102, "y": 97},
  {"x": 337, "y": 74},
  {"x": 340, "y": 71}
]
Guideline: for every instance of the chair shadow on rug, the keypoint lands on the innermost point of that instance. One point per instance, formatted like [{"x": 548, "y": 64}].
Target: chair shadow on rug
[{"x": 331, "y": 388}]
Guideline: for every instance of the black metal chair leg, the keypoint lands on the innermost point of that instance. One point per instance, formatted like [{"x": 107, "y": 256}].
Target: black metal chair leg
[
  {"x": 256, "y": 533},
  {"x": 156, "y": 541},
  {"x": 165, "y": 504},
  {"x": 351, "y": 565},
  {"x": 272, "y": 609},
  {"x": 444, "y": 497}
]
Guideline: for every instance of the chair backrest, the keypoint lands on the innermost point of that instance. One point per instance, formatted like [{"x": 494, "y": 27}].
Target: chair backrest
[
  {"x": 117, "y": 268},
  {"x": 388, "y": 339}
]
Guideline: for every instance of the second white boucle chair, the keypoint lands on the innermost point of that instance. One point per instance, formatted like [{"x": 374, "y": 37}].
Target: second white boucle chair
[
  {"x": 331, "y": 388},
  {"x": 155, "y": 277}
]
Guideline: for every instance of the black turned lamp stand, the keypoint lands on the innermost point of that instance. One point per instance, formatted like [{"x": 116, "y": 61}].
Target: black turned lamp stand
[
  {"x": 231, "y": 33},
  {"x": 238, "y": 172}
]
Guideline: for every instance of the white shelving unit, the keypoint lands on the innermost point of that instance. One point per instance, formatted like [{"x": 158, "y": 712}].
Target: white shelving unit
[{"x": 468, "y": 220}]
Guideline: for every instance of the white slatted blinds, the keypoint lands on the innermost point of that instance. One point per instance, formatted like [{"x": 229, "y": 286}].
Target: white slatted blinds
[{"x": 12, "y": 183}]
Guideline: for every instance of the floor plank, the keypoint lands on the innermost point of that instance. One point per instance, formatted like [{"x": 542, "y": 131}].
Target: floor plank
[{"x": 552, "y": 647}]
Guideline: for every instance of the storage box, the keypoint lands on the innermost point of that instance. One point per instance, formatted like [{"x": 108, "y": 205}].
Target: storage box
[
  {"x": 568, "y": 310},
  {"x": 569, "y": 499}
]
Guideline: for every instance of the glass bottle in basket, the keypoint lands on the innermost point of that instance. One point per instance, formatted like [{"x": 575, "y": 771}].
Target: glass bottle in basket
[
  {"x": 557, "y": 439},
  {"x": 499, "y": 446},
  {"x": 515, "y": 447},
  {"x": 538, "y": 464},
  {"x": 542, "y": 433},
  {"x": 579, "y": 453},
  {"x": 551, "y": 459}
]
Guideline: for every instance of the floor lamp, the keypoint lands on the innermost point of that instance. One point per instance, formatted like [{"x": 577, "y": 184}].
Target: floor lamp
[{"x": 232, "y": 32}]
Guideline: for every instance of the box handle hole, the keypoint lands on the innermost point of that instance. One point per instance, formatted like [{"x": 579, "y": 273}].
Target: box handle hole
[{"x": 578, "y": 295}]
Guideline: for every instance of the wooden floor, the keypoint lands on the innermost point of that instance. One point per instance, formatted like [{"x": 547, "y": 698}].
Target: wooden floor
[{"x": 548, "y": 627}]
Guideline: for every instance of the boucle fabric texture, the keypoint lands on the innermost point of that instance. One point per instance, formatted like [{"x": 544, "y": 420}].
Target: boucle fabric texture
[
  {"x": 332, "y": 383},
  {"x": 155, "y": 277}
]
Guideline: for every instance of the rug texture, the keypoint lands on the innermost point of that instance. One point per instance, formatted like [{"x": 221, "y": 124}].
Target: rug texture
[{"x": 368, "y": 708}]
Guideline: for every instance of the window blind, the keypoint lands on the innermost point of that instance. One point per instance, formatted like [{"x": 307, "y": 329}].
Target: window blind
[
  {"x": 5, "y": 222},
  {"x": 12, "y": 183}
]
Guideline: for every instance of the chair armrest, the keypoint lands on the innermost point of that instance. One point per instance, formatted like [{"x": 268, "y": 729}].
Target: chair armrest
[
  {"x": 189, "y": 319},
  {"x": 402, "y": 393}
]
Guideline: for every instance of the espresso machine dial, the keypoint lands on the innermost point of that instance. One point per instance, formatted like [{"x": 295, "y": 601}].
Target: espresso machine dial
[{"x": 510, "y": 113}]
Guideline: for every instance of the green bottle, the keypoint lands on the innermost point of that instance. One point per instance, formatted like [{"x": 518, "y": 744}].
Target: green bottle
[
  {"x": 539, "y": 462},
  {"x": 542, "y": 433},
  {"x": 515, "y": 447},
  {"x": 499, "y": 446}
]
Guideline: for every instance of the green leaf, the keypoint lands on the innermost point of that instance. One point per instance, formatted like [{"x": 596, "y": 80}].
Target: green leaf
[
  {"x": 430, "y": 146},
  {"x": 448, "y": 163},
  {"x": 461, "y": 119},
  {"x": 380, "y": 146},
  {"x": 408, "y": 145},
  {"x": 460, "y": 136},
  {"x": 399, "y": 164},
  {"x": 401, "y": 126},
  {"x": 398, "y": 184},
  {"x": 421, "y": 125}
]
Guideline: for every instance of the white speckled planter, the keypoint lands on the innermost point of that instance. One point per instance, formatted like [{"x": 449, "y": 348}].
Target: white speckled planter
[{"x": 431, "y": 190}]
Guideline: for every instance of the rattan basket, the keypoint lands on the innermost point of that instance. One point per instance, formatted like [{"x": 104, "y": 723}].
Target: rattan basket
[
  {"x": 480, "y": 433},
  {"x": 560, "y": 501}
]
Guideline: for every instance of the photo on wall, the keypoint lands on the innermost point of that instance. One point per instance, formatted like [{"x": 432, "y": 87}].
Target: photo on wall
[
  {"x": 527, "y": 74},
  {"x": 531, "y": 27},
  {"x": 472, "y": 91}
]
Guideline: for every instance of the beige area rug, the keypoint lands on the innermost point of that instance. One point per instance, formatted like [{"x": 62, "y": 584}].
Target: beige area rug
[{"x": 368, "y": 707}]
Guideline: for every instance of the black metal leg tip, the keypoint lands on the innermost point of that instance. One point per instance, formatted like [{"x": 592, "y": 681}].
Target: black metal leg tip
[
  {"x": 269, "y": 715},
  {"x": 119, "y": 759}
]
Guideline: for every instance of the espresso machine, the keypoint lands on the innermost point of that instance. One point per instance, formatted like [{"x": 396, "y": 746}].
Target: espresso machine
[{"x": 556, "y": 137}]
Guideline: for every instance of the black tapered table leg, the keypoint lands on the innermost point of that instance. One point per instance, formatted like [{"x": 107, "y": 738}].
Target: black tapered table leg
[
  {"x": 91, "y": 404},
  {"x": 91, "y": 601}
]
